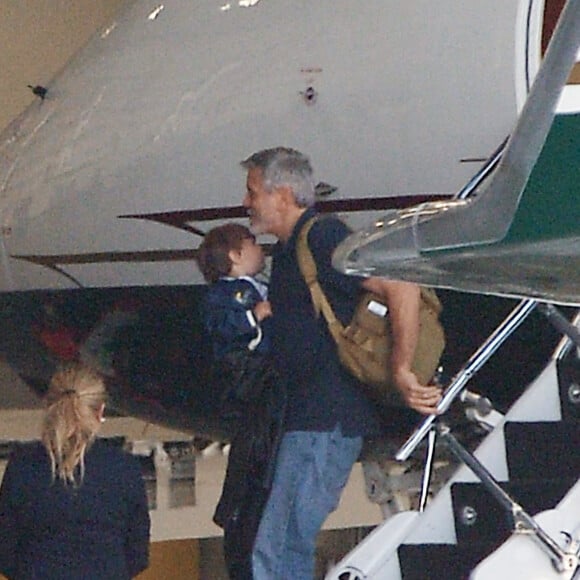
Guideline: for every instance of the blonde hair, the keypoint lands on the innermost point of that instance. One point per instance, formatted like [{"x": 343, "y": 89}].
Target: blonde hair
[{"x": 75, "y": 395}]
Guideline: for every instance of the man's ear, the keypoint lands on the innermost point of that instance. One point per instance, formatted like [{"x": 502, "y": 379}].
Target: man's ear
[{"x": 287, "y": 195}]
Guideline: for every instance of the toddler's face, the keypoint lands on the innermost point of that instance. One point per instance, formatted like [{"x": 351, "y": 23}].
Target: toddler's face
[{"x": 251, "y": 258}]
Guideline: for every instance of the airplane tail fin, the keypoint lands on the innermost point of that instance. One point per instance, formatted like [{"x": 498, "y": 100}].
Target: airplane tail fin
[{"x": 487, "y": 216}]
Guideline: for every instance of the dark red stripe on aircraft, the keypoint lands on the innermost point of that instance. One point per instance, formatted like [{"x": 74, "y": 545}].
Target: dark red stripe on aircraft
[{"x": 182, "y": 220}]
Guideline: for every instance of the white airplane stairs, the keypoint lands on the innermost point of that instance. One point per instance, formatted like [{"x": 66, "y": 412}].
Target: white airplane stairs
[{"x": 481, "y": 526}]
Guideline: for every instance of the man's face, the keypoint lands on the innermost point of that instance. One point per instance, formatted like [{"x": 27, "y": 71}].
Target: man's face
[{"x": 265, "y": 208}]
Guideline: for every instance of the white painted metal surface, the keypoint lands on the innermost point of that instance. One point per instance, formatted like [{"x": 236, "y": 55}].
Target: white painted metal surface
[
  {"x": 436, "y": 525},
  {"x": 521, "y": 556},
  {"x": 387, "y": 98}
]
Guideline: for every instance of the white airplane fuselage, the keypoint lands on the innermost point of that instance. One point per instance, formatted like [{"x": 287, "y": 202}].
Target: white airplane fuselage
[
  {"x": 387, "y": 98},
  {"x": 109, "y": 183}
]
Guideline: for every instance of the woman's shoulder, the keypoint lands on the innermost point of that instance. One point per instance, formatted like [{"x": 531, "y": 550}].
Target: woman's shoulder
[
  {"x": 28, "y": 459},
  {"x": 28, "y": 451},
  {"x": 112, "y": 454},
  {"x": 110, "y": 448}
]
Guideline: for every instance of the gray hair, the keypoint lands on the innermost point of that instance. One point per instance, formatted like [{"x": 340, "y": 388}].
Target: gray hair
[{"x": 285, "y": 166}]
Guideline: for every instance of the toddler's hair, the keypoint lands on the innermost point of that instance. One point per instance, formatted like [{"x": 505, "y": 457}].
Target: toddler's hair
[{"x": 213, "y": 253}]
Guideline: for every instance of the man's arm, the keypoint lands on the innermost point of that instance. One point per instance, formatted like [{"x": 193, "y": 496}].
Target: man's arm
[{"x": 403, "y": 299}]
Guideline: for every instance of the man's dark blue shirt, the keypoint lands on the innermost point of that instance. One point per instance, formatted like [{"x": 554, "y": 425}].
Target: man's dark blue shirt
[{"x": 321, "y": 393}]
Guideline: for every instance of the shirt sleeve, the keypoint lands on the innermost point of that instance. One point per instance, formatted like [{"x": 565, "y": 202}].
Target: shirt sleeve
[
  {"x": 138, "y": 521},
  {"x": 341, "y": 289}
]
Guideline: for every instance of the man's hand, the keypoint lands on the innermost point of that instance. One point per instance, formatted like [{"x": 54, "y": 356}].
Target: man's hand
[
  {"x": 423, "y": 399},
  {"x": 403, "y": 298}
]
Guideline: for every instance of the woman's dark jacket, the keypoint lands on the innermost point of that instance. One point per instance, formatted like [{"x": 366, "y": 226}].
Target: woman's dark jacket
[{"x": 97, "y": 530}]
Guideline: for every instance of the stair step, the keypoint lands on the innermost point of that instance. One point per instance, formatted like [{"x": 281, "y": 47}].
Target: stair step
[
  {"x": 440, "y": 561},
  {"x": 479, "y": 517},
  {"x": 543, "y": 462},
  {"x": 542, "y": 449},
  {"x": 488, "y": 526}
]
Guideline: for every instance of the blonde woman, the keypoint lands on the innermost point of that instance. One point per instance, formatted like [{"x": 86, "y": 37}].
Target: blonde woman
[{"x": 72, "y": 506}]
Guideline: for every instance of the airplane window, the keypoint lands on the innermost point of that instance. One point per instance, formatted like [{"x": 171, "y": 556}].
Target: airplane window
[{"x": 569, "y": 100}]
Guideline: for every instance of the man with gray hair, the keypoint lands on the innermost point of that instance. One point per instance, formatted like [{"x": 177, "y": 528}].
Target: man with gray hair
[{"x": 327, "y": 415}]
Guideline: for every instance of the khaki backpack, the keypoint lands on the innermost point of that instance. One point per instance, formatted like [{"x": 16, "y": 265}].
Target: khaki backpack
[{"x": 364, "y": 346}]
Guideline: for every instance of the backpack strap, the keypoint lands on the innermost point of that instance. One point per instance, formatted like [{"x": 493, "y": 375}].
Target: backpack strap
[{"x": 309, "y": 271}]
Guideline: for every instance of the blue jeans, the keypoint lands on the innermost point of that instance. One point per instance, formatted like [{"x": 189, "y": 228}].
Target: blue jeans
[{"x": 312, "y": 469}]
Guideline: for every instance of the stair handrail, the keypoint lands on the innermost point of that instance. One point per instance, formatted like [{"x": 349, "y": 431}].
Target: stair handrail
[
  {"x": 464, "y": 375},
  {"x": 561, "y": 323}
]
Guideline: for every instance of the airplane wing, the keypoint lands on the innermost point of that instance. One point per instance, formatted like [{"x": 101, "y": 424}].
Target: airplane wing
[{"x": 519, "y": 236}]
